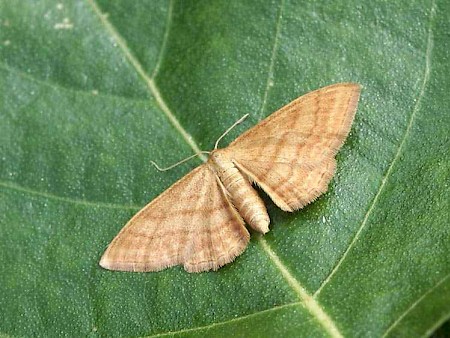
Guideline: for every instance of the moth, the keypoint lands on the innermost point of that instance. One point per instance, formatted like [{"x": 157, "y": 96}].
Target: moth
[{"x": 199, "y": 222}]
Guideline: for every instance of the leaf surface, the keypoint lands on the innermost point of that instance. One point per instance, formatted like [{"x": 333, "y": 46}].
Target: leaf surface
[{"x": 92, "y": 91}]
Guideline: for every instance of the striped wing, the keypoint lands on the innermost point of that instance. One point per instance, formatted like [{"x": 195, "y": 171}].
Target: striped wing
[
  {"x": 192, "y": 223},
  {"x": 291, "y": 153}
]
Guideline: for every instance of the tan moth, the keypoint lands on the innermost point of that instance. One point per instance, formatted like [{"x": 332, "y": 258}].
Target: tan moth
[{"x": 199, "y": 221}]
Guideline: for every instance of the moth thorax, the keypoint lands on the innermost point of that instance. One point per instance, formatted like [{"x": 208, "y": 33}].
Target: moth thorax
[{"x": 220, "y": 161}]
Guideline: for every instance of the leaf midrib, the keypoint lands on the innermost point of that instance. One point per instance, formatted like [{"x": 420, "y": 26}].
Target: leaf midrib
[
  {"x": 149, "y": 81},
  {"x": 313, "y": 307}
]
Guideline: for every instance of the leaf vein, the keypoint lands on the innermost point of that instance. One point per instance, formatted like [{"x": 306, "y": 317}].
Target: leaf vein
[
  {"x": 58, "y": 87},
  {"x": 207, "y": 327},
  {"x": 386, "y": 176},
  {"x": 272, "y": 59},
  {"x": 414, "y": 304},
  {"x": 307, "y": 300},
  {"x": 48, "y": 195},
  {"x": 151, "y": 85},
  {"x": 165, "y": 38}
]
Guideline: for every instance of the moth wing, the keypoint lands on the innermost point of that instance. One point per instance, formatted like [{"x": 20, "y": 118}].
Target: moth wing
[
  {"x": 192, "y": 223},
  {"x": 291, "y": 153}
]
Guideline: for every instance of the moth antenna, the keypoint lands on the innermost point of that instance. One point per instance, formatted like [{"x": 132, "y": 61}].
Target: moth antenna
[
  {"x": 229, "y": 129},
  {"x": 179, "y": 162}
]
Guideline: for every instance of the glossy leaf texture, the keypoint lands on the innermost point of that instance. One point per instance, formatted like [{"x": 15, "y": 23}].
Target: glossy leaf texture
[{"x": 93, "y": 90}]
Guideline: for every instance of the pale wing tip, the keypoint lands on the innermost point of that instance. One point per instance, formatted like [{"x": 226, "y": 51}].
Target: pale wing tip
[
  {"x": 106, "y": 263},
  {"x": 356, "y": 88},
  {"x": 109, "y": 264},
  {"x": 353, "y": 90},
  {"x": 353, "y": 104},
  {"x": 353, "y": 85}
]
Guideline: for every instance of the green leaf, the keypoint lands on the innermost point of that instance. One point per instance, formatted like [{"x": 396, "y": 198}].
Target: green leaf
[{"x": 92, "y": 91}]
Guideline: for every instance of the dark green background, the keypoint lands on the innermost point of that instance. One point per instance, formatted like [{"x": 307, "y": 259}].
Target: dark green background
[{"x": 88, "y": 99}]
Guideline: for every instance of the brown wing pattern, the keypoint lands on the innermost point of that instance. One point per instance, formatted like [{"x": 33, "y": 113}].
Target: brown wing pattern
[
  {"x": 291, "y": 186},
  {"x": 191, "y": 223},
  {"x": 291, "y": 153}
]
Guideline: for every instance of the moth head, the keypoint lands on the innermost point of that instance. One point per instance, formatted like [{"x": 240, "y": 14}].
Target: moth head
[
  {"x": 218, "y": 157},
  {"x": 215, "y": 155}
]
